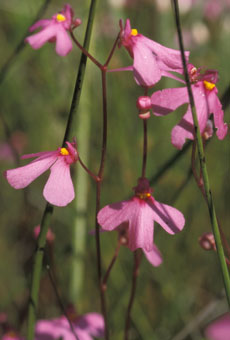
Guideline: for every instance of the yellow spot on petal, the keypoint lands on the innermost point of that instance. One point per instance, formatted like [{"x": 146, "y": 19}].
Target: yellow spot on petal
[
  {"x": 60, "y": 17},
  {"x": 143, "y": 195},
  {"x": 64, "y": 152},
  {"x": 134, "y": 32},
  {"x": 209, "y": 86}
]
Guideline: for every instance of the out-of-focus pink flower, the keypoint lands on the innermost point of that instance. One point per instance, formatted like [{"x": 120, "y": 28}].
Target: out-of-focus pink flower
[
  {"x": 11, "y": 335},
  {"x": 153, "y": 256},
  {"x": 86, "y": 327},
  {"x": 17, "y": 142},
  {"x": 206, "y": 102},
  {"x": 55, "y": 30},
  {"x": 50, "y": 236},
  {"x": 59, "y": 188},
  {"x": 219, "y": 329},
  {"x": 140, "y": 212},
  {"x": 151, "y": 60},
  {"x": 207, "y": 241}
]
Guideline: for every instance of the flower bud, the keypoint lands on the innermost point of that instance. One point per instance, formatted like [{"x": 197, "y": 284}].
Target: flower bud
[
  {"x": 207, "y": 241},
  {"x": 144, "y": 103}
]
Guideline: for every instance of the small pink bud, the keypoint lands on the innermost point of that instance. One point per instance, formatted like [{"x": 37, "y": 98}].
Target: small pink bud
[
  {"x": 207, "y": 241},
  {"x": 76, "y": 22},
  {"x": 144, "y": 103}
]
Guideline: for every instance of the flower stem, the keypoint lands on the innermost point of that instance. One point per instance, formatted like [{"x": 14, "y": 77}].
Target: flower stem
[
  {"x": 98, "y": 199},
  {"x": 136, "y": 266},
  {"x": 104, "y": 282},
  {"x": 39, "y": 254},
  {"x": 199, "y": 142},
  {"x": 145, "y": 144},
  {"x": 37, "y": 268}
]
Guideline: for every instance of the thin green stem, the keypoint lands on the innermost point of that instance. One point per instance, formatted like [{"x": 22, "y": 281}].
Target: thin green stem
[
  {"x": 39, "y": 254},
  {"x": 204, "y": 171},
  {"x": 37, "y": 269}
]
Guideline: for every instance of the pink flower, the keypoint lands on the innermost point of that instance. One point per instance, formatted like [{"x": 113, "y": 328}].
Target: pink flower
[
  {"x": 153, "y": 256},
  {"x": 59, "y": 188},
  {"x": 11, "y": 336},
  {"x": 54, "y": 30},
  {"x": 206, "y": 102},
  {"x": 140, "y": 212},
  {"x": 151, "y": 60},
  {"x": 219, "y": 329},
  {"x": 86, "y": 327}
]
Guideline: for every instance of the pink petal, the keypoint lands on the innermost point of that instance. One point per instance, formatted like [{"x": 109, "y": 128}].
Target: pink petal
[
  {"x": 40, "y": 23},
  {"x": 39, "y": 39},
  {"x": 54, "y": 329},
  {"x": 171, "y": 219},
  {"x": 145, "y": 68},
  {"x": 168, "y": 100},
  {"x": 21, "y": 177},
  {"x": 92, "y": 323},
  {"x": 59, "y": 188},
  {"x": 113, "y": 215},
  {"x": 140, "y": 226},
  {"x": 185, "y": 129},
  {"x": 63, "y": 42},
  {"x": 154, "y": 256},
  {"x": 167, "y": 58},
  {"x": 40, "y": 154},
  {"x": 215, "y": 107},
  {"x": 219, "y": 329}
]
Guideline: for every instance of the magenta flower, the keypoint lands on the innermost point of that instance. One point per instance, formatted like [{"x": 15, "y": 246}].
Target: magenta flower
[
  {"x": 206, "y": 102},
  {"x": 55, "y": 30},
  {"x": 140, "y": 212},
  {"x": 151, "y": 60},
  {"x": 59, "y": 188},
  {"x": 11, "y": 336},
  {"x": 86, "y": 327},
  {"x": 219, "y": 329}
]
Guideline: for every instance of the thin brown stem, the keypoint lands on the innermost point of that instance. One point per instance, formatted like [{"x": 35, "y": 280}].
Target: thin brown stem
[
  {"x": 96, "y": 178},
  {"x": 136, "y": 266},
  {"x": 112, "y": 51},
  {"x": 86, "y": 53},
  {"x": 98, "y": 199},
  {"x": 145, "y": 144},
  {"x": 104, "y": 282}
]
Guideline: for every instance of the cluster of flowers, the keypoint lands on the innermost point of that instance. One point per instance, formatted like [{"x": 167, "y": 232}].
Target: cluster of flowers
[
  {"x": 135, "y": 217},
  {"x": 85, "y": 327}
]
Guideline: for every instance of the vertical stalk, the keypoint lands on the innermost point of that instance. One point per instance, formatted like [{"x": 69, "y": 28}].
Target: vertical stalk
[
  {"x": 37, "y": 268},
  {"x": 204, "y": 171},
  {"x": 145, "y": 144},
  {"x": 133, "y": 292},
  {"x": 39, "y": 254},
  {"x": 98, "y": 199}
]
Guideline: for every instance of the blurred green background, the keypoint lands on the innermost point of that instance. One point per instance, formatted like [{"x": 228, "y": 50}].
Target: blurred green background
[{"x": 36, "y": 95}]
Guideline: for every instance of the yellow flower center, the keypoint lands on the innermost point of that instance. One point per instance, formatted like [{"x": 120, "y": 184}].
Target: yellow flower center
[
  {"x": 60, "y": 17},
  {"x": 143, "y": 195},
  {"x": 64, "y": 152},
  {"x": 209, "y": 86},
  {"x": 134, "y": 32}
]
